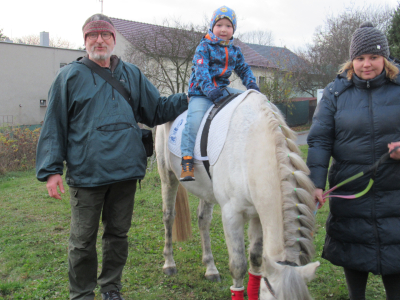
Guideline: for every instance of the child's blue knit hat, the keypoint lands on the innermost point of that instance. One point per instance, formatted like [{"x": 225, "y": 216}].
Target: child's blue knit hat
[{"x": 221, "y": 13}]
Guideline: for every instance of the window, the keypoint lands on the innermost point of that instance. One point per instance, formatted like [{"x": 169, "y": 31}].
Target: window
[{"x": 261, "y": 80}]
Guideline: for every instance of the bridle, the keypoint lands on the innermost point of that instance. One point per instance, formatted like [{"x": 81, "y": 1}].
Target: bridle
[
  {"x": 268, "y": 284},
  {"x": 269, "y": 287}
]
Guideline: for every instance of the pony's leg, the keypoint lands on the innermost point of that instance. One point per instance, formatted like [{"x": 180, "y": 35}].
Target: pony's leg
[
  {"x": 234, "y": 235},
  {"x": 204, "y": 214},
  {"x": 169, "y": 187},
  {"x": 255, "y": 258}
]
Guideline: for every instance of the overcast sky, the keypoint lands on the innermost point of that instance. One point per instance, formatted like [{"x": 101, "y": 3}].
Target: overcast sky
[{"x": 292, "y": 22}]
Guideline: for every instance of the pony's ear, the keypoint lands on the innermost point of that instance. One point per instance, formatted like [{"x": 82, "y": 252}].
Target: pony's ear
[
  {"x": 307, "y": 272},
  {"x": 271, "y": 267}
]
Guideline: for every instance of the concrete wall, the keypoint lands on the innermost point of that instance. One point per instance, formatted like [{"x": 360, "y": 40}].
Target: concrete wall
[{"x": 26, "y": 74}]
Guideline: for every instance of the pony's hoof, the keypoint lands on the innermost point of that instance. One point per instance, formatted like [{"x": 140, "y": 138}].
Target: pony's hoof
[
  {"x": 170, "y": 271},
  {"x": 213, "y": 277}
]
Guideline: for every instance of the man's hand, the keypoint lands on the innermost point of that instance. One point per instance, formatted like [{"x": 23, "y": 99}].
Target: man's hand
[
  {"x": 318, "y": 197},
  {"x": 52, "y": 182},
  {"x": 395, "y": 154}
]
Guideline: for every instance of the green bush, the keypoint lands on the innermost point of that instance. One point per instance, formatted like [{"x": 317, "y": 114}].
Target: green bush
[{"x": 17, "y": 148}]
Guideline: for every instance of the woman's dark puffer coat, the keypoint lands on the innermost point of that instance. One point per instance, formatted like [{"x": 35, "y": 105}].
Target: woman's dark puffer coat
[{"x": 354, "y": 122}]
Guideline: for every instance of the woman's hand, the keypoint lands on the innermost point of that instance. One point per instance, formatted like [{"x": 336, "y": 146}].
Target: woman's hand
[
  {"x": 395, "y": 154},
  {"x": 318, "y": 197}
]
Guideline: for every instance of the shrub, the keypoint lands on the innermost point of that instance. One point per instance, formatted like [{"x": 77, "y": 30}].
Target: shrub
[{"x": 17, "y": 148}]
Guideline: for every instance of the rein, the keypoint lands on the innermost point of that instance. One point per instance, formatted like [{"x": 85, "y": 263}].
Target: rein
[
  {"x": 373, "y": 169},
  {"x": 268, "y": 284}
]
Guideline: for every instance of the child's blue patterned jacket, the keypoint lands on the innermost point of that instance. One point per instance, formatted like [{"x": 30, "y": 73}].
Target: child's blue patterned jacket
[{"x": 213, "y": 63}]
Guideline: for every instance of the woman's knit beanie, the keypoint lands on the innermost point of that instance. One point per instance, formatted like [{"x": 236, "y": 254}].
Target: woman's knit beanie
[{"x": 368, "y": 40}]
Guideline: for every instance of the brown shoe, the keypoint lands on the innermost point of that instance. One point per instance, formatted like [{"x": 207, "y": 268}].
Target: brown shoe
[{"x": 187, "y": 169}]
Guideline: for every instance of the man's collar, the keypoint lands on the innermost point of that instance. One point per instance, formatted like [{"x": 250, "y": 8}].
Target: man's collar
[{"x": 114, "y": 60}]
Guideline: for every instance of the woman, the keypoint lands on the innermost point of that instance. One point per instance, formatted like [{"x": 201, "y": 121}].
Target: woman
[{"x": 356, "y": 122}]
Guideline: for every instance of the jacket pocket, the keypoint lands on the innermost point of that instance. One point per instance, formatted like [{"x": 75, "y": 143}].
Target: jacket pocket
[
  {"x": 114, "y": 126},
  {"x": 74, "y": 196}
]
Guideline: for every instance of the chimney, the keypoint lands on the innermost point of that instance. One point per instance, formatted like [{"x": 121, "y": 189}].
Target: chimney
[{"x": 44, "y": 39}]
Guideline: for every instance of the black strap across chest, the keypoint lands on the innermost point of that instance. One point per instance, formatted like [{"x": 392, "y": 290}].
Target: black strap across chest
[
  {"x": 110, "y": 79},
  {"x": 147, "y": 137}
]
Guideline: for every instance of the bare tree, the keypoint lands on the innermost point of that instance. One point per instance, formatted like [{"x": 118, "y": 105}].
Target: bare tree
[
  {"x": 331, "y": 42},
  {"x": 59, "y": 42},
  {"x": 284, "y": 80},
  {"x": 34, "y": 39},
  {"x": 259, "y": 37},
  {"x": 165, "y": 53},
  {"x": 31, "y": 39}
]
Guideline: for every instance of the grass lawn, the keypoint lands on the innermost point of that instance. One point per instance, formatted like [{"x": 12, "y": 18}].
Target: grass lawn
[{"x": 34, "y": 239}]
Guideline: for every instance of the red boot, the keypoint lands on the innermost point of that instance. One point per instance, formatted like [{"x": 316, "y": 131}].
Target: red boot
[
  {"x": 237, "y": 293},
  {"x": 253, "y": 286}
]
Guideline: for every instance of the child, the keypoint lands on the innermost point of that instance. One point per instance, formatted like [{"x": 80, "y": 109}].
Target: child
[{"x": 215, "y": 59}]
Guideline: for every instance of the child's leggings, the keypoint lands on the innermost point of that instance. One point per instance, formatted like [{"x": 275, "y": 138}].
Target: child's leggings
[
  {"x": 357, "y": 282},
  {"x": 198, "y": 105}
]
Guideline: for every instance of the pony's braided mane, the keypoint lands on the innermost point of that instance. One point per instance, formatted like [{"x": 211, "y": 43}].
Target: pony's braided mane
[{"x": 296, "y": 187}]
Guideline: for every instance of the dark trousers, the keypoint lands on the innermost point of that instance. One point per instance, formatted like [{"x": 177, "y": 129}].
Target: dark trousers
[
  {"x": 357, "y": 282},
  {"x": 114, "y": 204}
]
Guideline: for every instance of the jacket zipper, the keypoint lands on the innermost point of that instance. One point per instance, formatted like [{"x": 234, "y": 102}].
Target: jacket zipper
[
  {"x": 226, "y": 66},
  {"x": 112, "y": 88},
  {"x": 373, "y": 188}
]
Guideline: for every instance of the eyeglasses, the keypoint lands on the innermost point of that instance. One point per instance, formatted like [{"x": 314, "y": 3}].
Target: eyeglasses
[{"x": 105, "y": 35}]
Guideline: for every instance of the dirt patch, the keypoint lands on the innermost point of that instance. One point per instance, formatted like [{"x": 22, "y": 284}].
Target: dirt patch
[{"x": 301, "y": 128}]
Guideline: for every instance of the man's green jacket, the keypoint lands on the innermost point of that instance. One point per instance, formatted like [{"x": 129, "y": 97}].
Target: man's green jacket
[{"x": 91, "y": 127}]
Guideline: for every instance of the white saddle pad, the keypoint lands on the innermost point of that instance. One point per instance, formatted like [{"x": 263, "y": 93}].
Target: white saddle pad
[{"x": 217, "y": 134}]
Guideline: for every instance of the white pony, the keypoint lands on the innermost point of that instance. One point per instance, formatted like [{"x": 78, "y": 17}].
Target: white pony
[{"x": 260, "y": 178}]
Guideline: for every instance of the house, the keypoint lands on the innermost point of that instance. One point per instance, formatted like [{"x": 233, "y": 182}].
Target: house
[
  {"x": 162, "y": 39},
  {"x": 26, "y": 74},
  {"x": 266, "y": 61},
  {"x": 288, "y": 62},
  {"x": 163, "y": 53}
]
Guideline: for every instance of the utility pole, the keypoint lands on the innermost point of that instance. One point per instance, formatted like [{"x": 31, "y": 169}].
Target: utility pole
[{"x": 101, "y": 1}]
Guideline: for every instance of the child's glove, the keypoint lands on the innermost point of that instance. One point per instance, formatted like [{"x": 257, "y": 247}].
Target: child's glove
[
  {"x": 215, "y": 94},
  {"x": 253, "y": 86}
]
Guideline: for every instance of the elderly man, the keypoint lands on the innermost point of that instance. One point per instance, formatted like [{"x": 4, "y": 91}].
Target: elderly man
[{"x": 91, "y": 127}]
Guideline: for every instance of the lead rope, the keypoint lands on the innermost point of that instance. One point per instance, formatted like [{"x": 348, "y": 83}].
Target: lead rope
[{"x": 373, "y": 169}]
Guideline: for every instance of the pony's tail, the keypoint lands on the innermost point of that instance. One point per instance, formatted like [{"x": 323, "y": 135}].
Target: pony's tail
[{"x": 182, "y": 228}]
